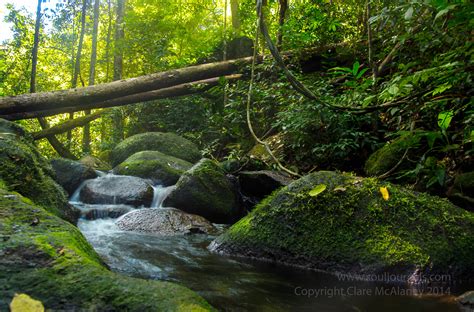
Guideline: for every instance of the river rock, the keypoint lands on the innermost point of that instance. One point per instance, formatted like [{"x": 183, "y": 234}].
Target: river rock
[
  {"x": 167, "y": 143},
  {"x": 462, "y": 190},
  {"x": 205, "y": 190},
  {"x": 466, "y": 301},
  {"x": 50, "y": 260},
  {"x": 387, "y": 157},
  {"x": 70, "y": 174},
  {"x": 93, "y": 212},
  {"x": 112, "y": 189},
  {"x": 164, "y": 221},
  {"x": 25, "y": 171},
  {"x": 262, "y": 183},
  {"x": 160, "y": 168},
  {"x": 343, "y": 223},
  {"x": 95, "y": 163}
]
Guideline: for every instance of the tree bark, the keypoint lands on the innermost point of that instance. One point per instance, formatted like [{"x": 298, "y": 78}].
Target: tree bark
[
  {"x": 281, "y": 22},
  {"x": 234, "y": 8},
  {"x": 93, "y": 94},
  {"x": 86, "y": 136},
  {"x": 58, "y": 147},
  {"x": 68, "y": 125},
  {"x": 176, "y": 91},
  {"x": 118, "y": 130},
  {"x": 77, "y": 64}
]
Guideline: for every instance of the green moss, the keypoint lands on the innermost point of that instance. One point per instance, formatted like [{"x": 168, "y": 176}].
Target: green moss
[
  {"x": 167, "y": 143},
  {"x": 385, "y": 158},
  {"x": 25, "y": 171},
  {"x": 349, "y": 226},
  {"x": 205, "y": 190},
  {"x": 154, "y": 165},
  {"x": 52, "y": 262}
]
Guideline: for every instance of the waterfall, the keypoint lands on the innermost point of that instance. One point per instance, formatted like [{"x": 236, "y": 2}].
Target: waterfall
[{"x": 160, "y": 193}]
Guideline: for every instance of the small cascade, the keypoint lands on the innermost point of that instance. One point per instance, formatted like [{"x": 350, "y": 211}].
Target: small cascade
[
  {"x": 160, "y": 193},
  {"x": 75, "y": 198}
]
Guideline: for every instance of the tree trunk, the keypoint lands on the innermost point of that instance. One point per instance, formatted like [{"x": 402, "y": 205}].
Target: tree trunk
[
  {"x": 77, "y": 65},
  {"x": 281, "y": 22},
  {"x": 68, "y": 125},
  {"x": 176, "y": 91},
  {"x": 117, "y": 116},
  {"x": 58, "y": 147},
  {"x": 86, "y": 138},
  {"x": 93, "y": 94},
  {"x": 234, "y": 8}
]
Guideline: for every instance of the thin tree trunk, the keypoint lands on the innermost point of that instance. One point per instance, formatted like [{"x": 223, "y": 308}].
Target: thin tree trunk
[
  {"x": 281, "y": 22},
  {"x": 86, "y": 138},
  {"x": 58, "y": 147},
  {"x": 107, "y": 46},
  {"x": 117, "y": 116},
  {"x": 236, "y": 25},
  {"x": 77, "y": 65}
]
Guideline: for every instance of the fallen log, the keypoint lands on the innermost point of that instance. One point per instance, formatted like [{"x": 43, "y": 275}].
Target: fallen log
[
  {"x": 68, "y": 125},
  {"x": 116, "y": 89},
  {"x": 175, "y": 91}
]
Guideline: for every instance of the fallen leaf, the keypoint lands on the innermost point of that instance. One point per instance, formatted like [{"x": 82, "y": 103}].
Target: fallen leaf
[
  {"x": 384, "y": 192},
  {"x": 339, "y": 189},
  {"x": 317, "y": 190},
  {"x": 24, "y": 303}
]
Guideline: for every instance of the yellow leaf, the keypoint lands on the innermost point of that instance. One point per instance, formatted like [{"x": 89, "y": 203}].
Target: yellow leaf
[
  {"x": 317, "y": 190},
  {"x": 24, "y": 303},
  {"x": 384, "y": 192}
]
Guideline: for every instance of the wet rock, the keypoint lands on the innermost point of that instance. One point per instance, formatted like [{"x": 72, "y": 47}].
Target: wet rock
[
  {"x": 167, "y": 143},
  {"x": 262, "y": 183},
  {"x": 25, "y": 171},
  {"x": 466, "y": 301},
  {"x": 93, "y": 212},
  {"x": 343, "y": 223},
  {"x": 160, "y": 168},
  {"x": 70, "y": 174},
  {"x": 164, "y": 221},
  {"x": 206, "y": 191},
  {"x": 112, "y": 189}
]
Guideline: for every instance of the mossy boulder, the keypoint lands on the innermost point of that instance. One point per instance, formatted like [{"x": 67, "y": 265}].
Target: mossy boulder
[
  {"x": 51, "y": 261},
  {"x": 462, "y": 190},
  {"x": 25, "y": 171},
  {"x": 342, "y": 223},
  {"x": 167, "y": 143},
  {"x": 160, "y": 168},
  {"x": 206, "y": 191},
  {"x": 95, "y": 163},
  {"x": 70, "y": 174},
  {"x": 389, "y": 155}
]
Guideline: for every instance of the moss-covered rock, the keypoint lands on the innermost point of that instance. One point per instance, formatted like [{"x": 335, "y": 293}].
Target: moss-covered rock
[
  {"x": 70, "y": 174},
  {"x": 462, "y": 190},
  {"x": 51, "y": 261},
  {"x": 95, "y": 163},
  {"x": 205, "y": 190},
  {"x": 167, "y": 143},
  {"x": 25, "y": 171},
  {"x": 154, "y": 165},
  {"x": 345, "y": 225},
  {"x": 385, "y": 158}
]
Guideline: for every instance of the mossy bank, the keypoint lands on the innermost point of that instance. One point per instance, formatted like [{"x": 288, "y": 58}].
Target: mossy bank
[
  {"x": 345, "y": 225},
  {"x": 49, "y": 259}
]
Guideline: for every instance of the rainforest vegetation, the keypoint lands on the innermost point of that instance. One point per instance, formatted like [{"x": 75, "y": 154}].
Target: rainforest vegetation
[{"x": 365, "y": 105}]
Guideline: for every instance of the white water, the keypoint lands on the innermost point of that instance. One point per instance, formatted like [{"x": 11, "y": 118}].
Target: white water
[{"x": 160, "y": 193}]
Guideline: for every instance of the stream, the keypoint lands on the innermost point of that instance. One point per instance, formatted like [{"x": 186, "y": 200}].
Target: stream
[{"x": 235, "y": 284}]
